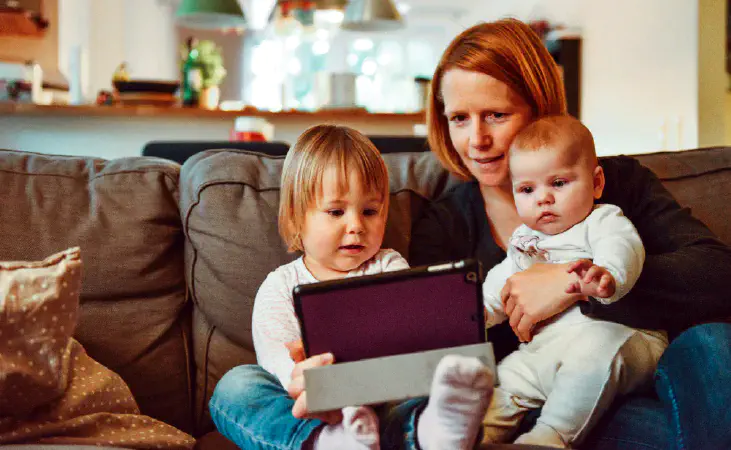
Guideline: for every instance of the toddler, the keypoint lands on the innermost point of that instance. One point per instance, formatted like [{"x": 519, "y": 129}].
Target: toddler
[
  {"x": 574, "y": 365},
  {"x": 334, "y": 203}
]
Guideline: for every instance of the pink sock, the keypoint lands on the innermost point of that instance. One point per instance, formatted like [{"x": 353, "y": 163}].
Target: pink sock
[
  {"x": 357, "y": 431},
  {"x": 460, "y": 394}
]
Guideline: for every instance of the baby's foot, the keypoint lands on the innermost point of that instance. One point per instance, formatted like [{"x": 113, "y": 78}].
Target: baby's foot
[{"x": 460, "y": 394}]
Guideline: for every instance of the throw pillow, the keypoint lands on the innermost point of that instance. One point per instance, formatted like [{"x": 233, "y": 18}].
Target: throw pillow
[{"x": 38, "y": 308}]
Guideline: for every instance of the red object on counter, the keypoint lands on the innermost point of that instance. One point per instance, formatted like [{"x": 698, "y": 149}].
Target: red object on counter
[
  {"x": 251, "y": 129},
  {"x": 247, "y": 136}
]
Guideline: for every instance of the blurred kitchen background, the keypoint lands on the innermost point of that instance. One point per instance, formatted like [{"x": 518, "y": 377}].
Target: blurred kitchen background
[{"x": 644, "y": 75}]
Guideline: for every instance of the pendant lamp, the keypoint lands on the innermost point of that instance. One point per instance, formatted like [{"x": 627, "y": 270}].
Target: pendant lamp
[{"x": 372, "y": 15}]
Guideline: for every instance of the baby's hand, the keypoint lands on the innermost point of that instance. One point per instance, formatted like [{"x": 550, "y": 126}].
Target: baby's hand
[{"x": 594, "y": 281}]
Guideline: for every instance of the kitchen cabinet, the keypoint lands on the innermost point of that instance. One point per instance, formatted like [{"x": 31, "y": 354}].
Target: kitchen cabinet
[{"x": 22, "y": 18}]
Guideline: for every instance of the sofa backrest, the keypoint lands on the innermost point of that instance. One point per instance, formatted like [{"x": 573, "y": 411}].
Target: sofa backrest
[
  {"x": 229, "y": 203},
  {"x": 124, "y": 215},
  {"x": 700, "y": 180}
]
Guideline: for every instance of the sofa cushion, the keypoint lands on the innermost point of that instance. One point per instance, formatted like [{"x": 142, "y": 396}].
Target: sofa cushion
[
  {"x": 229, "y": 203},
  {"x": 699, "y": 179},
  {"x": 124, "y": 215}
]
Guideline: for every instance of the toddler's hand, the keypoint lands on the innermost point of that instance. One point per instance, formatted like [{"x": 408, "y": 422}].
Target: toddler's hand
[
  {"x": 296, "y": 388},
  {"x": 594, "y": 281}
]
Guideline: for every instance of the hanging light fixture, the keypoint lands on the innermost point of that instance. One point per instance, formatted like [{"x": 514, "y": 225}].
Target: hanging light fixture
[
  {"x": 282, "y": 19},
  {"x": 372, "y": 15},
  {"x": 303, "y": 10},
  {"x": 210, "y": 14}
]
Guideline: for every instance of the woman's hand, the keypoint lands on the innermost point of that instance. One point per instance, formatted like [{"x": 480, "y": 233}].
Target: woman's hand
[
  {"x": 536, "y": 294},
  {"x": 296, "y": 388}
]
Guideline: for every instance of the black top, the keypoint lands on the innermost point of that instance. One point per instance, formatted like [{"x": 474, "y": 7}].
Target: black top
[{"x": 686, "y": 278}]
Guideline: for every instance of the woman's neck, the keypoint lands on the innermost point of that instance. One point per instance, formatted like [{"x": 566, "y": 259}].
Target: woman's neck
[{"x": 501, "y": 213}]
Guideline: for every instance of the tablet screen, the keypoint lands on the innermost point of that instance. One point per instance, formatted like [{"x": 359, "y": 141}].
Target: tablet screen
[{"x": 413, "y": 310}]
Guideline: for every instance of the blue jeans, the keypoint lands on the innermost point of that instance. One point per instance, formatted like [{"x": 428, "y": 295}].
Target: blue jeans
[
  {"x": 693, "y": 383},
  {"x": 254, "y": 411}
]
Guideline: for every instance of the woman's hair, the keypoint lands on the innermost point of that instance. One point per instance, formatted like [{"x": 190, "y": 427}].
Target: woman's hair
[
  {"x": 509, "y": 51},
  {"x": 317, "y": 149}
]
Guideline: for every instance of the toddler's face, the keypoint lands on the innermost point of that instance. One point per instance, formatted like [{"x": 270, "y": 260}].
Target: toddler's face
[
  {"x": 344, "y": 229},
  {"x": 553, "y": 192}
]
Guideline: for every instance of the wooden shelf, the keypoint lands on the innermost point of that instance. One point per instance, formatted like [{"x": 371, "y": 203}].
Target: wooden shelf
[{"x": 7, "y": 108}]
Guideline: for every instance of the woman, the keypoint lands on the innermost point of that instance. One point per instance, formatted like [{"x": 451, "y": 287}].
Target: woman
[{"x": 492, "y": 81}]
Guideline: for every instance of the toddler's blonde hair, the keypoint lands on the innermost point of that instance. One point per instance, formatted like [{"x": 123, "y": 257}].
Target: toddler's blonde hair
[{"x": 318, "y": 148}]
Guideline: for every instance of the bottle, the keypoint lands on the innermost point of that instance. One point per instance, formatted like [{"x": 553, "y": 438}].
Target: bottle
[
  {"x": 34, "y": 75},
  {"x": 192, "y": 81}
]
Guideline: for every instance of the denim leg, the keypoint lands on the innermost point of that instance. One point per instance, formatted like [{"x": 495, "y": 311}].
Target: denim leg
[
  {"x": 253, "y": 410},
  {"x": 399, "y": 424},
  {"x": 693, "y": 379},
  {"x": 632, "y": 422}
]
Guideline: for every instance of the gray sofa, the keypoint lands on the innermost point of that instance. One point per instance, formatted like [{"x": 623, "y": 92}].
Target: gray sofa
[{"x": 173, "y": 256}]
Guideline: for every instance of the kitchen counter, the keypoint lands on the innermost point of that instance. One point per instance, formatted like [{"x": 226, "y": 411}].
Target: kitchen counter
[
  {"x": 120, "y": 131},
  {"x": 172, "y": 112}
]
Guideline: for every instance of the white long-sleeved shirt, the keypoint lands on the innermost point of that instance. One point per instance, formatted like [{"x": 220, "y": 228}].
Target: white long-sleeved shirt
[
  {"x": 274, "y": 321},
  {"x": 606, "y": 236}
]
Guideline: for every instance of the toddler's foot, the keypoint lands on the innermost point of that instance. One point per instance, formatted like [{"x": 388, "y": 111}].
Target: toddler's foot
[
  {"x": 460, "y": 394},
  {"x": 357, "y": 431},
  {"x": 362, "y": 423}
]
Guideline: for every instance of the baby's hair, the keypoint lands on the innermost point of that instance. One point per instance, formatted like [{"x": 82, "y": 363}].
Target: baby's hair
[
  {"x": 318, "y": 148},
  {"x": 560, "y": 132}
]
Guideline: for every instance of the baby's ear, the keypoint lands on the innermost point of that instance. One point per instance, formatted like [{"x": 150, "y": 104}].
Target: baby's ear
[{"x": 598, "y": 176}]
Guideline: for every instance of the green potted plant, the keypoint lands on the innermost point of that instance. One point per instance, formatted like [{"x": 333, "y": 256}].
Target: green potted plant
[{"x": 208, "y": 63}]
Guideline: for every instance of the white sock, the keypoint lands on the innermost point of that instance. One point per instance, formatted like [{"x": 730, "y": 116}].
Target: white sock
[
  {"x": 358, "y": 431},
  {"x": 460, "y": 394}
]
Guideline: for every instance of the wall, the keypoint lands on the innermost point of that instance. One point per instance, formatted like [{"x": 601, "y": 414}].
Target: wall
[
  {"x": 640, "y": 74},
  {"x": 109, "y": 32},
  {"x": 712, "y": 76},
  {"x": 641, "y": 86},
  {"x": 43, "y": 49}
]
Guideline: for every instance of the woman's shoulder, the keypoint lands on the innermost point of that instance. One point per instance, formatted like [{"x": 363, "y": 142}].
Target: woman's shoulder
[{"x": 622, "y": 167}]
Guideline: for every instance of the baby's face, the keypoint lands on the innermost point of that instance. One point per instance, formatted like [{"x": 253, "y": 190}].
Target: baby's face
[{"x": 553, "y": 191}]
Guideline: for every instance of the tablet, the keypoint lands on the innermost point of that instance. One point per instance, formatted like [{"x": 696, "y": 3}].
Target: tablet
[{"x": 393, "y": 313}]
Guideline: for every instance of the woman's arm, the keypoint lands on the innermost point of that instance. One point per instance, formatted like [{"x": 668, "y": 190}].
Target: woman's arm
[{"x": 686, "y": 278}]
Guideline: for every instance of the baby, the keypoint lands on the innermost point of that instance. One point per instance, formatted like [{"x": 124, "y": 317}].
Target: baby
[
  {"x": 574, "y": 365},
  {"x": 334, "y": 204}
]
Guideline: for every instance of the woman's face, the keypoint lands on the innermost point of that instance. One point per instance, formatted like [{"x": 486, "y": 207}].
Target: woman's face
[{"x": 484, "y": 116}]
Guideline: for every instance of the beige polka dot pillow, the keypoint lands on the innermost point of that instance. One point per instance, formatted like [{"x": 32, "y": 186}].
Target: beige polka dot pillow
[{"x": 39, "y": 303}]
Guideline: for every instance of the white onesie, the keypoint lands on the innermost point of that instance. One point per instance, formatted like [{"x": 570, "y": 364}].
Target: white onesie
[{"x": 575, "y": 365}]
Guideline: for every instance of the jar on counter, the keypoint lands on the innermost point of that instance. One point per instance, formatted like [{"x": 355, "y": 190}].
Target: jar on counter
[{"x": 252, "y": 129}]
